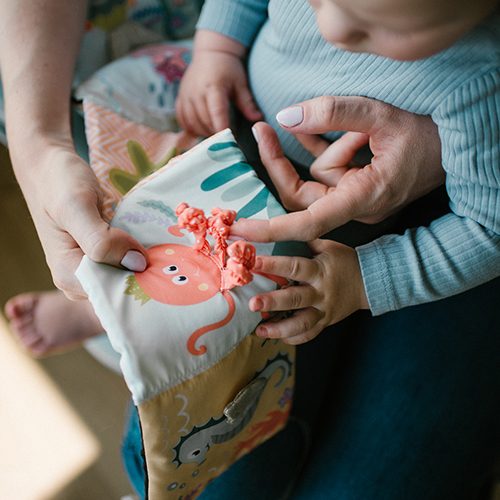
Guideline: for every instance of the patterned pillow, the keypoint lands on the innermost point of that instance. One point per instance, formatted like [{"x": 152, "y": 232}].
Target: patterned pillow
[
  {"x": 142, "y": 86},
  {"x": 131, "y": 24}
]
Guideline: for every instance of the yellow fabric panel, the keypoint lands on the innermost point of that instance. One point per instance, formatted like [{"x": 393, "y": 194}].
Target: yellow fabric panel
[{"x": 184, "y": 428}]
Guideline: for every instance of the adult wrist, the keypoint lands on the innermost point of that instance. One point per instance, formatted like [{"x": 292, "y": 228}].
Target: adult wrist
[{"x": 33, "y": 148}]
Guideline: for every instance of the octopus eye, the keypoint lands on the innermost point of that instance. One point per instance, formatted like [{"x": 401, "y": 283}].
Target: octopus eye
[
  {"x": 170, "y": 269},
  {"x": 179, "y": 280}
]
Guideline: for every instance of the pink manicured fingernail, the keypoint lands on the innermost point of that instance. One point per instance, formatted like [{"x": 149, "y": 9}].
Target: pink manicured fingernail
[
  {"x": 134, "y": 261},
  {"x": 254, "y": 132},
  {"x": 290, "y": 117}
]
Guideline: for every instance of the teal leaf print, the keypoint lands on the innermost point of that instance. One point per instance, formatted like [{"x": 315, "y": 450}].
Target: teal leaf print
[
  {"x": 225, "y": 175},
  {"x": 256, "y": 205},
  {"x": 242, "y": 189},
  {"x": 225, "y": 151},
  {"x": 230, "y": 151},
  {"x": 159, "y": 205}
]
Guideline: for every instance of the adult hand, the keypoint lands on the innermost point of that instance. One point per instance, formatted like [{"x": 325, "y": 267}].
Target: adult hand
[
  {"x": 64, "y": 198},
  {"x": 405, "y": 166},
  {"x": 39, "y": 45}
]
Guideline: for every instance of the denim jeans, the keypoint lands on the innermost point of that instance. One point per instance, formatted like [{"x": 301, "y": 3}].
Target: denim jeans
[{"x": 401, "y": 406}]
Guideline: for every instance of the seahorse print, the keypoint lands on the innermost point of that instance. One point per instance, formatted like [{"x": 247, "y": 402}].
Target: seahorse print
[{"x": 194, "y": 446}]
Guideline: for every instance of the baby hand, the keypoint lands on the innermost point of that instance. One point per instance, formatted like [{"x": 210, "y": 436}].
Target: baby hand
[
  {"x": 330, "y": 289},
  {"x": 215, "y": 77}
]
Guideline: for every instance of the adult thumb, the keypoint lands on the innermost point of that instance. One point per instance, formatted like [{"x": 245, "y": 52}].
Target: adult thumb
[
  {"x": 336, "y": 113},
  {"x": 105, "y": 244}
]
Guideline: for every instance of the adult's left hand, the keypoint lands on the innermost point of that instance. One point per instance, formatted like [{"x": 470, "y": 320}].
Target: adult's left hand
[{"x": 406, "y": 165}]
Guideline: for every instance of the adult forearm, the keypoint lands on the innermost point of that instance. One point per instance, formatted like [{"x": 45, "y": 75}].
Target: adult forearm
[{"x": 39, "y": 44}]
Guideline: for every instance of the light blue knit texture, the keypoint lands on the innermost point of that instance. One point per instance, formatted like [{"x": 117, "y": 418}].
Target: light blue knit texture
[{"x": 460, "y": 88}]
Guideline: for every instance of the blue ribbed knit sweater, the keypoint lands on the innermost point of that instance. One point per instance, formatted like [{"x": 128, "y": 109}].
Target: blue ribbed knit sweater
[{"x": 460, "y": 88}]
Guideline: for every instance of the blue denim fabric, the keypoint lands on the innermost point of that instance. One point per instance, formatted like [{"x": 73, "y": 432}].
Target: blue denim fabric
[
  {"x": 403, "y": 406},
  {"x": 413, "y": 410},
  {"x": 131, "y": 451},
  {"x": 410, "y": 410}
]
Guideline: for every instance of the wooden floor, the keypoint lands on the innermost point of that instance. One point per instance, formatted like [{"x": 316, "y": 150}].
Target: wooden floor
[{"x": 96, "y": 396}]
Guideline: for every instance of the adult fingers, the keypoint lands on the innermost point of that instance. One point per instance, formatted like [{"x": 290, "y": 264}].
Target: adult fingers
[
  {"x": 339, "y": 152},
  {"x": 64, "y": 263},
  {"x": 331, "y": 166},
  {"x": 328, "y": 212},
  {"x": 315, "y": 144},
  {"x": 294, "y": 193},
  {"x": 327, "y": 208},
  {"x": 326, "y": 113},
  {"x": 102, "y": 243}
]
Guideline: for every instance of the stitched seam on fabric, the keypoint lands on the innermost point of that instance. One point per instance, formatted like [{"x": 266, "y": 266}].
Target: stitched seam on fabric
[{"x": 189, "y": 375}]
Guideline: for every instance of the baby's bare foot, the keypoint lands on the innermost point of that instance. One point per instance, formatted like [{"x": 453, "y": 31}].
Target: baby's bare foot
[{"x": 49, "y": 323}]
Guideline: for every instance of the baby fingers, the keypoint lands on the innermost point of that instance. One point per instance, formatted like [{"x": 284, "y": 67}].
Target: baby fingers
[
  {"x": 286, "y": 299},
  {"x": 308, "y": 320},
  {"x": 294, "y": 268},
  {"x": 302, "y": 327}
]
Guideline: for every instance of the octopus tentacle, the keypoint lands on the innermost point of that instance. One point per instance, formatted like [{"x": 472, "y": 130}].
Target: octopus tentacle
[{"x": 191, "y": 343}]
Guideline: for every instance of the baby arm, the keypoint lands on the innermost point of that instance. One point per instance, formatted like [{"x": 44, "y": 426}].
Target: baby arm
[
  {"x": 330, "y": 289},
  {"x": 215, "y": 77}
]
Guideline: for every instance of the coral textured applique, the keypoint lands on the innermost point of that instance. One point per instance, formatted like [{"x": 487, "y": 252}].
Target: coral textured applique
[{"x": 183, "y": 275}]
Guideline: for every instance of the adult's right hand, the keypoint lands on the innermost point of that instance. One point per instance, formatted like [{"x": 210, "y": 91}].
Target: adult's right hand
[
  {"x": 405, "y": 166},
  {"x": 39, "y": 44},
  {"x": 64, "y": 199}
]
